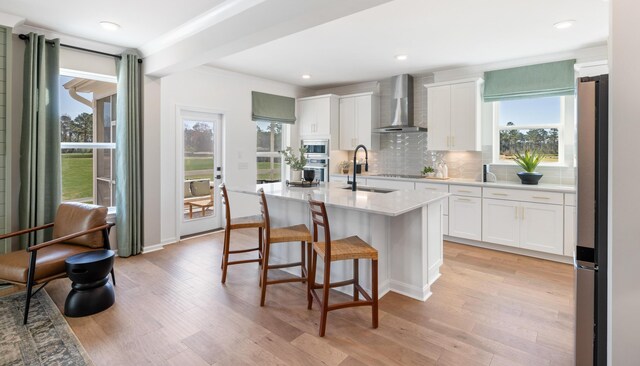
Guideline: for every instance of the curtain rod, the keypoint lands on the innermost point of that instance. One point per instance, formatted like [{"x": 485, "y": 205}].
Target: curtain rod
[{"x": 24, "y": 37}]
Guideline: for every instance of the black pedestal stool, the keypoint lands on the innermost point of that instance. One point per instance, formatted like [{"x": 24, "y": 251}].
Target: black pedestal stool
[{"x": 91, "y": 291}]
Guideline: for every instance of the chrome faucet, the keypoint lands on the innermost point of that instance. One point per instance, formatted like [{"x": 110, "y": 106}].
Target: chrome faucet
[{"x": 366, "y": 164}]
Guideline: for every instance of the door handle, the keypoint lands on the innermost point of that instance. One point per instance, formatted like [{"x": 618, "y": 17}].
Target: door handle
[{"x": 516, "y": 207}]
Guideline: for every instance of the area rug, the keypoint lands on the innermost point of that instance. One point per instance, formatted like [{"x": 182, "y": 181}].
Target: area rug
[{"x": 47, "y": 339}]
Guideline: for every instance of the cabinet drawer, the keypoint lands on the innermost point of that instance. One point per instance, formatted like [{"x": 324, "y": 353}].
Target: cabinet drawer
[
  {"x": 390, "y": 184},
  {"x": 465, "y": 191},
  {"x": 524, "y": 195},
  {"x": 436, "y": 188},
  {"x": 570, "y": 199},
  {"x": 433, "y": 187}
]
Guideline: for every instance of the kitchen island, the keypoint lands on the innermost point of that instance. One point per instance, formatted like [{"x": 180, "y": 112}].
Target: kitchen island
[{"x": 405, "y": 226}]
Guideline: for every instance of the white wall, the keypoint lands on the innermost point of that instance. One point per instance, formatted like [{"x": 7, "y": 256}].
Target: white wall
[
  {"x": 224, "y": 92},
  {"x": 624, "y": 234}
]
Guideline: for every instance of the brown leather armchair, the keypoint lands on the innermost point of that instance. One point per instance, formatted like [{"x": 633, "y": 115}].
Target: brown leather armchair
[{"x": 77, "y": 228}]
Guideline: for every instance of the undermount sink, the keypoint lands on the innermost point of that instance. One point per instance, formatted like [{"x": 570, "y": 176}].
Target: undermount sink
[{"x": 372, "y": 189}]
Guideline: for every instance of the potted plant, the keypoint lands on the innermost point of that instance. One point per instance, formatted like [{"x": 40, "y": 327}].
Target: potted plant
[
  {"x": 429, "y": 171},
  {"x": 344, "y": 166},
  {"x": 529, "y": 160},
  {"x": 296, "y": 163}
]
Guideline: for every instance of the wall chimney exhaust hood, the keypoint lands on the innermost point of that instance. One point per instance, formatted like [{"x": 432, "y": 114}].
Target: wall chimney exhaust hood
[{"x": 401, "y": 106}]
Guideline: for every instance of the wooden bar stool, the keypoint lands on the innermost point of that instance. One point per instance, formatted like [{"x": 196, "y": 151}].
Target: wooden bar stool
[
  {"x": 337, "y": 250},
  {"x": 282, "y": 235},
  {"x": 245, "y": 222}
]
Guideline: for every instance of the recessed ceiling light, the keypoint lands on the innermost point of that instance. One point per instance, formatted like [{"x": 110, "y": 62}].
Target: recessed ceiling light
[
  {"x": 401, "y": 57},
  {"x": 564, "y": 24},
  {"x": 306, "y": 76},
  {"x": 110, "y": 26}
]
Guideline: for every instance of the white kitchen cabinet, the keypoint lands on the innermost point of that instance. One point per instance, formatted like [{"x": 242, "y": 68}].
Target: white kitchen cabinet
[
  {"x": 500, "y": 222},
  {"x": 465, "y": 217},
  {"x": 516, "y": 218},
  {"x": 358, "y": 116},
  {"x": 389, "y": 184},
  {"x": 318, "y": 117},
  {"x": 454, "y": 115},
  {"x": 436, "y": 187},
  {"x": 541, "y": 227}
]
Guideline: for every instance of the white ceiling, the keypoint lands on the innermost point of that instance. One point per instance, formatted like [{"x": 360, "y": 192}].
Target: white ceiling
[
  {"x": 336, "y": 41},
  {"x": 435, "y": 34},
  {"x": 141, "y": 20}
]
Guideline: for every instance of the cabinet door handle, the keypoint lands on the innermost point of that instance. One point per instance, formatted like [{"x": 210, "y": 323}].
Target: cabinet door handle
[
  {"x": 463, "y": 191},
  {"x": 500, "y": 194},
  {"x": 516, "y": 207},
  {"x": 540, "y": 197},
  {"x": 464, "y": 199}
]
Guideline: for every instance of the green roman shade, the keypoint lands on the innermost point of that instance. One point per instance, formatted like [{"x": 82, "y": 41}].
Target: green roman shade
[
  {"x": 542, "y": 80},
  {"x": 273, "y": 108}
]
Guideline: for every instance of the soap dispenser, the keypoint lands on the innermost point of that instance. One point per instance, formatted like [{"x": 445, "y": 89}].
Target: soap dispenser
[{"x": 445, "y": 170}]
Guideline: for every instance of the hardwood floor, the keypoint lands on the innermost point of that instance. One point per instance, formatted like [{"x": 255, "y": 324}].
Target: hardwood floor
[{"x": 487, "y": 308}]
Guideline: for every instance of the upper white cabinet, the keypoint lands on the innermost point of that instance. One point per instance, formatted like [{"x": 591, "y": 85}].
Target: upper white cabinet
[
  {"x": 454, "y": 115},
  {"x": 358, "y": 116},
  {"x": 318, "y": 117}
]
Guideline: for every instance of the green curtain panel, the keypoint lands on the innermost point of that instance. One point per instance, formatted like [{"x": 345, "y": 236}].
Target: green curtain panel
[
  {"x": 128, "y": 157},
  {"x": 272, "y": 108},
  {"x": 40, "y": 171},
  {"x": 543, "y": 80}
]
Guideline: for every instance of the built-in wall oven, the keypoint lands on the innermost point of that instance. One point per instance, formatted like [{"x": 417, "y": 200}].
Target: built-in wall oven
[{"x": 317, "y": 158}]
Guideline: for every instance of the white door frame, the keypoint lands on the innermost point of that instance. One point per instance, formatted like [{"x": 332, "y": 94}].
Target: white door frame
[{"x": 197, "y": 225}]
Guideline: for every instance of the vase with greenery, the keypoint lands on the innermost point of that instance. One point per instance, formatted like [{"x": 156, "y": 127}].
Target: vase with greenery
[
  {"x": 528, "y": 161},
  {"x": 429, "y": 171},
  {"x": 344, "y": 166},
  {"x": 295, "y": 162}
]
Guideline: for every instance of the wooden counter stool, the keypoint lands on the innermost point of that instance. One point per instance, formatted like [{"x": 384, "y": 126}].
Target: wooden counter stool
[
  {"x": 337, "y": 250},
  {"x": 245, "y": 222},
  {"x": 282, "y": 235}
]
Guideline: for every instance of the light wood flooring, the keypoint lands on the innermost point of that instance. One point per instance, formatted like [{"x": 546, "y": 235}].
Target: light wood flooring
[{"x": 487, "y": 308}]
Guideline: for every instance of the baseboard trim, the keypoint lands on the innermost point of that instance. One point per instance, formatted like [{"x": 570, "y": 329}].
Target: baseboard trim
[{"x": 512, "y": 250}]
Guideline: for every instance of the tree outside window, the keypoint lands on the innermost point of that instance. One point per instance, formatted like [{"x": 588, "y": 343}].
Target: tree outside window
[
  {"x": 269, "y": 143},
  {"x": 530, "y": 124}
]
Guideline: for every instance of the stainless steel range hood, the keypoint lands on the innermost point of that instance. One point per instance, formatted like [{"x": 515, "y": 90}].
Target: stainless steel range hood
[{"x": 401, "y": 106}]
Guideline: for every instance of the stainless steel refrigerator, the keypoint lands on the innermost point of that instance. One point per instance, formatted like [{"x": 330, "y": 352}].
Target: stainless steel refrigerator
[{"x": 590, "y": 258}]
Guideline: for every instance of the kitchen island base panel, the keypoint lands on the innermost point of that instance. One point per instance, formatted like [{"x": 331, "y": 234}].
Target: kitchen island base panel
[{"x": 407, "y": 265}]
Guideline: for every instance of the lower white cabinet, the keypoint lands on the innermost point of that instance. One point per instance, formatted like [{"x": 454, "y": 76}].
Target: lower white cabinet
[
  {"x": 501, "y": 224},
  {"x": 465, "y": 217},
  {"x": 527, "y": 225},
  {"x": 541, "y": 227},
  {"x": 437, "y": 187}
]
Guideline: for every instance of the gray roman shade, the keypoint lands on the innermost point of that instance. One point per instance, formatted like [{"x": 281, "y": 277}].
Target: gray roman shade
[
  {"x": 272, "y": 108},
  {"x": 542, "y": 80}
]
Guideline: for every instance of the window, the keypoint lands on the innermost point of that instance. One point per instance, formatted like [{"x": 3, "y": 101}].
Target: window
[
  {"x": 269, "y": 160},
  {"x": 530, "y": 124},
  {"x": 88, "y": 134}
]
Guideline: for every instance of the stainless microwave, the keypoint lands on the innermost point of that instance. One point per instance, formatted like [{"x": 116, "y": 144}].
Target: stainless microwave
[{"x": 316, "y": 148}]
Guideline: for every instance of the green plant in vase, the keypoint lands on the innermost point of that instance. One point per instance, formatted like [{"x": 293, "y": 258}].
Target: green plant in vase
[
  {"x": 429, "y": 171},
  {"x": 528, "y": 161},
  {"x": 295, "y": 162},
  {"x": 344, "y": 166}
]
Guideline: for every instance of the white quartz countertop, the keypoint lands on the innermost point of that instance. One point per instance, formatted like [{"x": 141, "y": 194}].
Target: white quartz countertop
[
  {"x": 469, "y": 182},
  {"x": 333, "y": 194}
]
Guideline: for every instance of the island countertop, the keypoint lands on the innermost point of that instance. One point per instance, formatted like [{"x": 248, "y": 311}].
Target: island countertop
[{"x": 394, "y": 203}]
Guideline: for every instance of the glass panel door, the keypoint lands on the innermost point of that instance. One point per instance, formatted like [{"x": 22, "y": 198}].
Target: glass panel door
[{"x": 201, "y": 173}]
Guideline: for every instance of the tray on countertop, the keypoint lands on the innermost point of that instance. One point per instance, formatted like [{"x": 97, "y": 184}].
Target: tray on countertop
[{"x": 302, "y": 184}]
